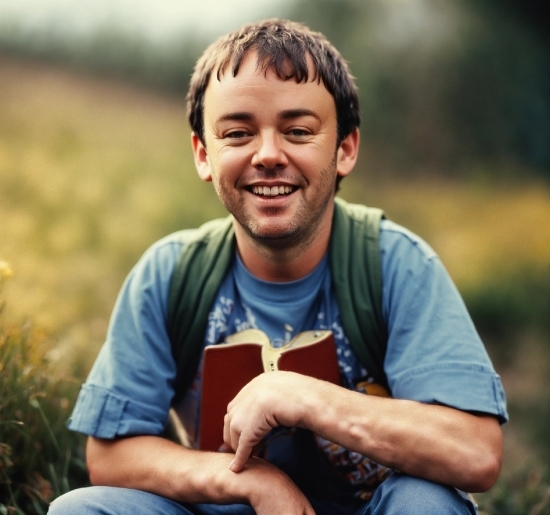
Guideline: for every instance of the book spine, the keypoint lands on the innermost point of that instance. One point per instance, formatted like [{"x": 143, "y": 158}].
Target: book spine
[{"x": 270, "y": 358}]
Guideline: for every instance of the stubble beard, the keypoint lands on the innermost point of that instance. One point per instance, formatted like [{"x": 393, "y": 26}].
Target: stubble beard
[{"x": 296, "y": 233}]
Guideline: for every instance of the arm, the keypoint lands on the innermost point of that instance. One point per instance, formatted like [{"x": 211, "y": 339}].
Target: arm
[
  {"x": 156, "y": 465},
  {"x": 437, "y": 443},
  {"x": 129, "y": 392}
]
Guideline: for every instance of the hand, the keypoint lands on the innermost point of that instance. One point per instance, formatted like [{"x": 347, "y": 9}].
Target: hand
[
  {"x": 269, "y": 400},
  {"x": 273, "y": 491}
]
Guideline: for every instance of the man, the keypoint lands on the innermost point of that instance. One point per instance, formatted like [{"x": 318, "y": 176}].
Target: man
[{"x": 274, "y": 114}]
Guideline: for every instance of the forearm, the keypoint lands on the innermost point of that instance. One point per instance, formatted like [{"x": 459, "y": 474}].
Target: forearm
[
  {"x": 156, "y": 465},
  {"x": 159, "y": 466},
  {"x": 438, "y": 443}
]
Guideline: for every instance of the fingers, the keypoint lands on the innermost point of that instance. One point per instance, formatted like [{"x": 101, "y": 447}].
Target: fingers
[
  {"x": 237, "y": 440},
  {"x": 242, "y": 437},
  {"x": 254, "y": 412},
  {"x": 241, "y": 457}
]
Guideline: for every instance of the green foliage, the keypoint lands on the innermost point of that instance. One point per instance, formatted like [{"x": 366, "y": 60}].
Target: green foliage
[
  {"x": 509, "y": 304},
  {"x": 525, "y": 492},
  {"x": 39, "y": 458},
  {"x": 534, "y": 414},
  {"x": 111, "y": 52},
  {"x": 442, "y": 84}
]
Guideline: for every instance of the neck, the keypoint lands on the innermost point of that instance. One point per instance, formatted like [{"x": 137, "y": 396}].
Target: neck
[{"x": 280, "y": 261}]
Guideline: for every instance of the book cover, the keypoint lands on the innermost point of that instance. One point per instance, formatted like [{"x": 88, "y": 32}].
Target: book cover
[{"x": 229, "y": 366}]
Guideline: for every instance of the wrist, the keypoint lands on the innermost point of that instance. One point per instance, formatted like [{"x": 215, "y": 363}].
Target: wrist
[
  {"x": 316, "y": 408},
  {"x": 213, "y": 481},
  {"x": 263, "y": 481}
]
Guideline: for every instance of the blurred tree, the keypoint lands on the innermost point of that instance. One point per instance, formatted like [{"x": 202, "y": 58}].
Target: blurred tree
[
  {"x": 445, "y": 86},
  {"x": 534, "y": 13}
]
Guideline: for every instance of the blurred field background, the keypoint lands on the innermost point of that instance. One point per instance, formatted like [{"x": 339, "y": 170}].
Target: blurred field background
[{"x": 95, "y": 165}]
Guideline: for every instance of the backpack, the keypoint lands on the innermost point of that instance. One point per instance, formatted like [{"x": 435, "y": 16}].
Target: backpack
[{"x": 355, "y": 267}]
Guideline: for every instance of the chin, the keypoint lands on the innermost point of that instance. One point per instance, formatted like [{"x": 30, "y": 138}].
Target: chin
[{"x": 274, "y": 233}]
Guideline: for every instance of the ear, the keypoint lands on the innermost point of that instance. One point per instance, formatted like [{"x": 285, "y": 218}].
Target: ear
[
  {"x": 347, "y": 153},
  {"x": 202, "y": 162}
]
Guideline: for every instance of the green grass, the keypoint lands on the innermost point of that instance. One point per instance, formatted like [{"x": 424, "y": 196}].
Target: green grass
[
  {"x": 93, "y": 171},
  {"x": 521, "y": 492},
  {"x": 39, "y": 458}
]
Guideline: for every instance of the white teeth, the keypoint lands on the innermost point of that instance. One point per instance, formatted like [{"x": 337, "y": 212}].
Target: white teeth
[{"x": 266, "y": 191}]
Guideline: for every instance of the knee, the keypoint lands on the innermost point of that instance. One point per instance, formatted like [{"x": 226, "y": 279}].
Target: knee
[
  {"x": 76, "y": 501},
  {"x": 406, "y": 495},
  {"x": 109, "y": 500}
]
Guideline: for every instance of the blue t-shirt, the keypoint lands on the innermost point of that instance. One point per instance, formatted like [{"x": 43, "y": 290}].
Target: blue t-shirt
[{"x": 434, "y": 354}]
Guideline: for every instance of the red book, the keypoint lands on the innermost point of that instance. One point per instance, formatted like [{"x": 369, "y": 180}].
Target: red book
[{"x": 227, "y": 367}]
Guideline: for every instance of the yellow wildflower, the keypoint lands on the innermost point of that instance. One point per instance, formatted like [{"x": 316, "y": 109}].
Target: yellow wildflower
[{"x": 5, "y": 271}]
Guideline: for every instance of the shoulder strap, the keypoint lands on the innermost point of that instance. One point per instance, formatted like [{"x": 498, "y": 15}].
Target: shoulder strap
[
  {"x": 201, "y": 267},
  {"x": 357, "y": 276}
]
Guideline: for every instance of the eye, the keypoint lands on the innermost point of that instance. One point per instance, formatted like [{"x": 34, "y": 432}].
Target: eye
[
  {"x": 298, "y": 133},
  {"x": 237, "y": 134}
]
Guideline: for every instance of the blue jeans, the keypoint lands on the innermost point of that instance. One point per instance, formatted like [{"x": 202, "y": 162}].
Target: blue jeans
[{"x": 398, "y": 495}]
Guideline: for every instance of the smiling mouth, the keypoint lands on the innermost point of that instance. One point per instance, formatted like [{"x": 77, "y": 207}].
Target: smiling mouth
[{"x": 272, "y": 191}]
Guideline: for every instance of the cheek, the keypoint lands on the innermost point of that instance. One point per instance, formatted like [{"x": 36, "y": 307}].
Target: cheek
[
  {"x": 314, "y": 161},
  {"x": 225, "y": 176},
  {"x": 231, "y": 161}
]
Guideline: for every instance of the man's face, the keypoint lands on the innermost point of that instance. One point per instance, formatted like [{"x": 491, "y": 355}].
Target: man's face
[{"x": 271, "y": 153}]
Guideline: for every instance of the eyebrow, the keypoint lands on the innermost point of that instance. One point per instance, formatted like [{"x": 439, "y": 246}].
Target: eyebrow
[
  {"x": 288, "y": 114},
  {"x": 237, "y": 116}
]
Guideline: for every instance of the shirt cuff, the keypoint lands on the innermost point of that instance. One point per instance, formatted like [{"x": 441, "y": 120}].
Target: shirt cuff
[
  {"x": 101, "y": 413},
  {"x": 464, "y": 386}
]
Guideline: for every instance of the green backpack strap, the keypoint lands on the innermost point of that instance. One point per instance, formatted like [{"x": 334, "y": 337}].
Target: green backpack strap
[
  {"x": 205, "y": 259},
  {"x": 356, "y": 274},
  {"x": 357, "y": 277}
]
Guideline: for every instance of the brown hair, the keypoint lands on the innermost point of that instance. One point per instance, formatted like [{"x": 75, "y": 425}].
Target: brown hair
[{"x": 282, "y": 45}]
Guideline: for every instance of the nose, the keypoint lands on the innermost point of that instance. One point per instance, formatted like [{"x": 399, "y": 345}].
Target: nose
[{"x": 269, "y": 153}]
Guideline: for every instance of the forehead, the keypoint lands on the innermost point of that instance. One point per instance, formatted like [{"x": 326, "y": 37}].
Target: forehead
[{"x": 256, "y": 88}]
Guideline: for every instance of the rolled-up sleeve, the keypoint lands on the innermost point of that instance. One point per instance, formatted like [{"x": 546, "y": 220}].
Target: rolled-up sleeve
[
  {"x": 468, "y": 387},
  {"x": 434, "y": 354},
  {"x": 130, "y": 386}
]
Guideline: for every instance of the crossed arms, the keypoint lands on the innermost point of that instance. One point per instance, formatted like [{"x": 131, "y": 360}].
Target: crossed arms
[{"x": 437, "y": 443}]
